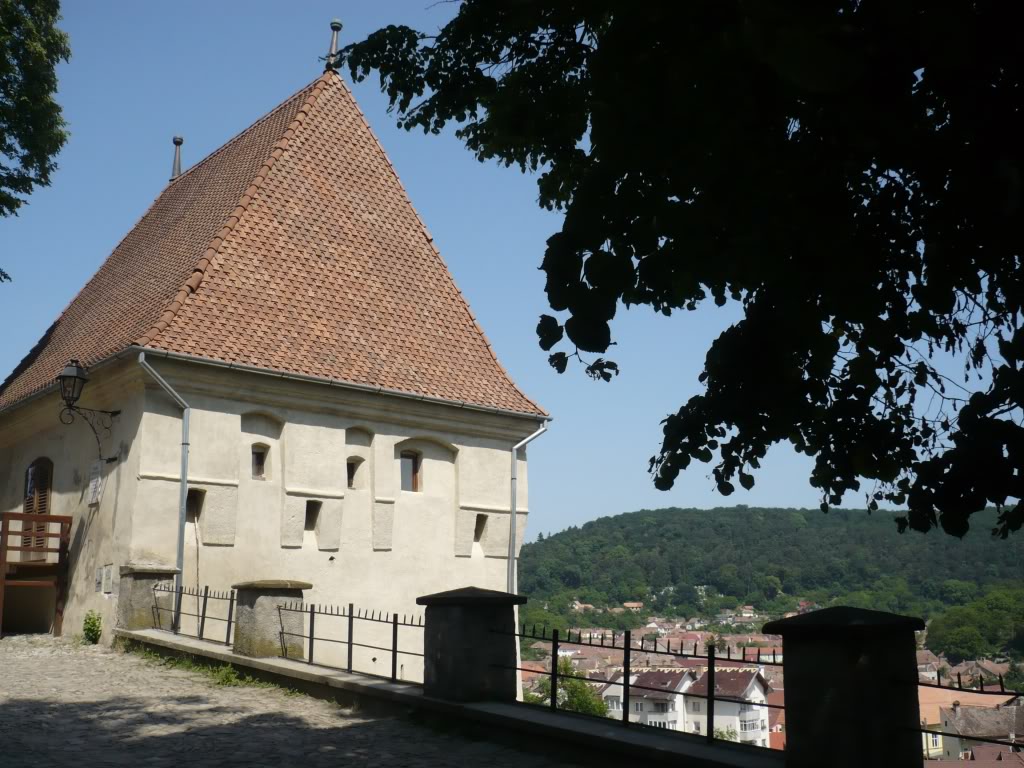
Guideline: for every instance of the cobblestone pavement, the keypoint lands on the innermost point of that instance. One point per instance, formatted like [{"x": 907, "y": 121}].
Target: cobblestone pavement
[{"x": 64, "y": 704}]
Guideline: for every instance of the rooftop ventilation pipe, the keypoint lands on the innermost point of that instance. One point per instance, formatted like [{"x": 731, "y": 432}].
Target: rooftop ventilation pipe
[
  {"x": 511, "y": 584},
  {"x": 176, "y": 168},
  {"x": 186, "y": 414}
]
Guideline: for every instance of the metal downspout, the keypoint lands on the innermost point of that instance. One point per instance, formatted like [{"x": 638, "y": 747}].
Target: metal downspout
[
  {"x": 186, "y": 414},
  {"x": 511, "y": 584}
]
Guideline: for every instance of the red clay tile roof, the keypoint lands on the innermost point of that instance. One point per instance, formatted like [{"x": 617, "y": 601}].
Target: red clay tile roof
[{"x": 295, "y": 248}]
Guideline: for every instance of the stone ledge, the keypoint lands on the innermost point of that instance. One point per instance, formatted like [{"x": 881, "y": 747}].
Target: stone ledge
[
  {"x": 842, "y": 620},
  {"x": 273, "y": 584},
  {"x": 599, "y": 741},
  {"x": 471, "y": 596},
  {"x": 169, "y": 570}
]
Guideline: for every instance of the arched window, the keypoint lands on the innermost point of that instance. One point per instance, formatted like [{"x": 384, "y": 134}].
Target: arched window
[{"x": 38, "y": 483}]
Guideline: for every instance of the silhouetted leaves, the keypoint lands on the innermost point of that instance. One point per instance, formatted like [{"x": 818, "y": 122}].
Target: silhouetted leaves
[
  {"x": 558, "y": 361},
  {"x": 850, "y": 173},
  {"x": 549, "y": 331}
]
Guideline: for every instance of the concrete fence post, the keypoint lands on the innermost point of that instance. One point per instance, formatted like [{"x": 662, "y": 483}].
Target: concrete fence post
[
  {"x": 850, "y": 688},
  {"x": 261, "y": 629},
  {"x": 138, "y": 607},
  {"x": 469, "y": 645}
]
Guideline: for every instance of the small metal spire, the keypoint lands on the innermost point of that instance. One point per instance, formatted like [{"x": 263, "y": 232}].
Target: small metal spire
[
  {"x": 333, "y": 52},
  {"x": 176, "y": 168}
]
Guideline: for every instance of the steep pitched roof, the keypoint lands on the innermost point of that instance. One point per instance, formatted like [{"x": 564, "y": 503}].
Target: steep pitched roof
[{"x": 292, "y": 248}]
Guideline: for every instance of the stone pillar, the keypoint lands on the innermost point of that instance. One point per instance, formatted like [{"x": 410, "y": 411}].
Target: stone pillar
[
  {"x": 461, "y": 648},
  {"x": 260, "y": 628},
  {"x": 851, "y": 688},
  {"x": 137, "y": 603}
]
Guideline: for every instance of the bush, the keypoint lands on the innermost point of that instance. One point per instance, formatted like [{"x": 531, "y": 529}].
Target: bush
[{"x": 92, "y": 628}]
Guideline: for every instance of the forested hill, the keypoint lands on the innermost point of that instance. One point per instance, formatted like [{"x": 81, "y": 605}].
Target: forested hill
[{"x": 765, "y": 557}]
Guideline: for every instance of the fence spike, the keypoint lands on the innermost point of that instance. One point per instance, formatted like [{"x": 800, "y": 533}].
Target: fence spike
[
  {"x": 959, "y": 682},
  {"x": 981, "y": 682},
  {"x": 1001, "y": 686}
]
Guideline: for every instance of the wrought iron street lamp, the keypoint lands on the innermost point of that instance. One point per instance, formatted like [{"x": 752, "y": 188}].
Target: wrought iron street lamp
[{"x": 72, "y": 381}]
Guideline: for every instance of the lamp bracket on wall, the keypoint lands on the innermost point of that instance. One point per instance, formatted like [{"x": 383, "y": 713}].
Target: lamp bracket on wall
[{"x": 97, "y": 420}]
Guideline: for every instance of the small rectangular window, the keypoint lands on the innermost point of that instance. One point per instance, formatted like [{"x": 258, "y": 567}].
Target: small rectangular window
[
  {"x": 410, "y": 471},
  {"x": 352, "y": 467},
  {"x": 312, "y": 515},
  {"x": 481, "y": 526},
  {"x": 259, "y": 462}
]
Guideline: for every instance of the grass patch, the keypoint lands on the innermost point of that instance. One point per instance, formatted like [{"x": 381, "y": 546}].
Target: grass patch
[{"x": 216, "y": 674}]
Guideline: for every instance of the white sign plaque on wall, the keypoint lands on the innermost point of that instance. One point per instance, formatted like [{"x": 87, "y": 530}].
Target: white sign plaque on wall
[
  {"x": 95, "y": 492},
  {"x": 99, "y": 579},
  {"x": 108, "y": 578}
]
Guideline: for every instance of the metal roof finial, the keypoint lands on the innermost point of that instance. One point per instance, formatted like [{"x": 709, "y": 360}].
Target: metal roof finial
[
  {"x": 332, "y": 54},
  {"x": 176, "y": 168}
]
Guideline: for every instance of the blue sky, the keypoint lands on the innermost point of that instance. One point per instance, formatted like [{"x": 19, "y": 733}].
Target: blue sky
[{"x": 142, "y": 72}]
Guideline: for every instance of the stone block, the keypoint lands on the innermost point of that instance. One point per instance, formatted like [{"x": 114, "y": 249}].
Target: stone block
[
  {"x": 261, "y": 628},
  {"x": 851, "y": 688},
  {"x": 136, "y": 601},
  {"x": 469, "y": 645}
]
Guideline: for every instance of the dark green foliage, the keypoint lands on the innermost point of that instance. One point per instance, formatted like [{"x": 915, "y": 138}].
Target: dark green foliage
[
  {"x": 850, "y": 172},
  {"x": 31, "y": 127},
  {"x": 92, "y": 628},
  {"x": 766, "y": 557},
  {"x": 1014, "y": 679},
  {"x": 573, "y": 695},
  {"x": 991, "y": 624}
]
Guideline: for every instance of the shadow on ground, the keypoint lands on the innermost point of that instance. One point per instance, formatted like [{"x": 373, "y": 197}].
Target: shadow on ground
[{"x": 196, "y": 732}]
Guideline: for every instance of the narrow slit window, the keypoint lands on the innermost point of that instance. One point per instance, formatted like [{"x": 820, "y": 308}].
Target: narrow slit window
[
  {"x": 481, "y": 526},
  {"x": 312, "y": 516},
  {"x": 353, "y": 469},
  {"x": 411, "y": 480},
  {"x": 194, "y": 505},
  {"x": 259, "y": 461}
]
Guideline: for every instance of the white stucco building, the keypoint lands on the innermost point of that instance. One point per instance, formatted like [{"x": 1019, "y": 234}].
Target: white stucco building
[
  {"x": 677, "y": 701},
  {"x": 749, "y": 720},
  {"x": 654, "y": 700},
  {"x": 349, "y": 423}
]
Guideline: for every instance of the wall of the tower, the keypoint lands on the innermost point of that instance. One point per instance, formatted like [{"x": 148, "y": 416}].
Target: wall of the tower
[
  {"x": 101, "y": 531},
  {"x": 297, "y": 515}
]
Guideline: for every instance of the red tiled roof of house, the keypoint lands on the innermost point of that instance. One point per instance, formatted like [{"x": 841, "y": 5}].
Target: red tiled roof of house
[
  {"x": 776, "y": 716},
  {"x": 730, "y": 683},
  {"x": 292, "y": 248}
]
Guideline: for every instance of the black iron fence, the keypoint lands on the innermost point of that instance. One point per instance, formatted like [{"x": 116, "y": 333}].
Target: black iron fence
[
  {"x": 336, "y": 626},
  {"x": 710, "y": 663},
  {"x": 210, "y": 606}
]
